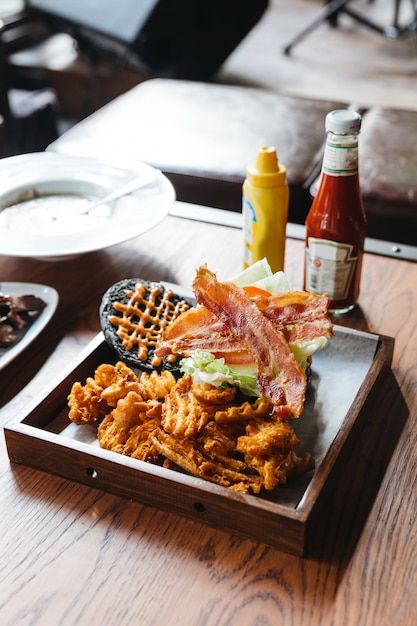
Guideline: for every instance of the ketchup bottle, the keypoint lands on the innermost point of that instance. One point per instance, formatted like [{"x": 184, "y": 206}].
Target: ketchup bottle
[{"x": 336, "y": 223}]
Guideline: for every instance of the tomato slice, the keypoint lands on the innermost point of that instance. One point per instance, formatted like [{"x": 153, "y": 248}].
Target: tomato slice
[{"x": 253, "y": 291}]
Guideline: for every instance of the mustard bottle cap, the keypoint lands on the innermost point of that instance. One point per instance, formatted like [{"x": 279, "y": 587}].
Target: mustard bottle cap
[{"x": 266, "y": 171}]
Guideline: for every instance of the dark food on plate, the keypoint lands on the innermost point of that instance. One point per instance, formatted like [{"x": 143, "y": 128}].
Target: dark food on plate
[
  {"x": 133, "y": 314},
  {"x": 16, "y": 313}
]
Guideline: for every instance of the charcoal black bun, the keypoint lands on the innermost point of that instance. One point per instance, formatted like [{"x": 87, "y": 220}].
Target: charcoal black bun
[{"x": 118, "y": 293}]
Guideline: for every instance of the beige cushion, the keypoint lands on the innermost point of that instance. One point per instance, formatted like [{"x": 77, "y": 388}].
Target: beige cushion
[{"x": 388, "y": 172}]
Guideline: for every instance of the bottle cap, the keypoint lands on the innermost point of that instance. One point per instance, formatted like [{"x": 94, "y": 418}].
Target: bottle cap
[
  {"x": 266, "y": 171},
  {"x": 343, "y": 122}
]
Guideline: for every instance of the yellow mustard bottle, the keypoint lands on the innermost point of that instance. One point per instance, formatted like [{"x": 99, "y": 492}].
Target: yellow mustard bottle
[{"x": 265, "y": 199}]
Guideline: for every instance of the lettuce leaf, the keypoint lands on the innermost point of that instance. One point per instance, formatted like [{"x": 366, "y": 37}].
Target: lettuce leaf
[
  {"x": 305, "y": 349},
  {"x": 205, "y": 368},
  {"x": 249, "y": 276},
  {"x": 260, "y": 275}
]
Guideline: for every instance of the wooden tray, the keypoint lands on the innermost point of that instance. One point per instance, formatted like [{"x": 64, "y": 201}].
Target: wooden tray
[{"x": 44, "y": 438}]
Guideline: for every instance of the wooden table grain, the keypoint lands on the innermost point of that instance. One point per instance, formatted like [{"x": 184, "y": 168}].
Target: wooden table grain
[{"x": 73, "y": 555}]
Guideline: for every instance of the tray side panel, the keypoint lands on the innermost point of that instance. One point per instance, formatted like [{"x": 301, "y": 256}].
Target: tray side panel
[
  {"x": 345, "y": 497},
  {"x": 206, "y": 506},
  {"x": 357, "y": 413},
  {"x": 278, "y": 526}
]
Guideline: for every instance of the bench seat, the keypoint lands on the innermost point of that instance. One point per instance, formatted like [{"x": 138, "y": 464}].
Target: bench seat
[{"x": 203, "y": 136}]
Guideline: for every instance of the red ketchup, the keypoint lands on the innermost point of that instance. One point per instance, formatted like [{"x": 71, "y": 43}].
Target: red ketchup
[{"x": 336, "y": 223}]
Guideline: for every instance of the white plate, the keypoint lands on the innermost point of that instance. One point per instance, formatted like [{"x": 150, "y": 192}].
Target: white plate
[
  {"x": 57, "y": 231},
  {"x": 49, "y": 295}
]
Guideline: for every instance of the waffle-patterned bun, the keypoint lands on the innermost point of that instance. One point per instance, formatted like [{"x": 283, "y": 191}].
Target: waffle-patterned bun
[{"x": 133, "y": 315}]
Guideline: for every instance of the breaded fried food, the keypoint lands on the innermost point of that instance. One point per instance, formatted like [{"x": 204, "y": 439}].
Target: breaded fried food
[
  {"x": 260, "y": 408},
  {"x": 114, "y": 430},
  {"x": 279, "y": 466},
  {"x": 182, "y": 414},
  {"x": 268, "y": 448},
  {"x": 124, "y": 381},
  {"x": 224, "y": 454},
  {"x": 188, "y": 407},
  {"x": 219, "y": 440},
  {"x": 157, "y": 385},
  {"x": 206, "y": 431},
  {"x": 127, "y": 428},
  {"x": 186, "y": 454},
  {"x": 263, "y": 437},
  {"x": 214, "y": 396},
  {"x": 90, "y": 403}
]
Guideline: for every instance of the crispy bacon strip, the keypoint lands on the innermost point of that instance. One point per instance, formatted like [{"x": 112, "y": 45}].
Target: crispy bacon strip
[
  {"x": 301, "y": 316},
  {"x": 279, "y": 378},
  {"x": 292, "y": 306}
]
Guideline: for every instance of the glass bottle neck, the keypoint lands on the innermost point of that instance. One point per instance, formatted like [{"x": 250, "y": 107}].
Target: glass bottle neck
[{"x": 341, "y": 155}]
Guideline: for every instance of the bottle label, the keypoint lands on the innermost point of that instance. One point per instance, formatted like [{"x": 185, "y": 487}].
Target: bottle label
[
  {"x": 329, "y": 267},
  {"x": 249, "y": 218},
  {"x": 340, "y": 159}
]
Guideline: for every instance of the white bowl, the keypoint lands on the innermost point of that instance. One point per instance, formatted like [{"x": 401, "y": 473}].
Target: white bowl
[{"x": 43, "y": 195}]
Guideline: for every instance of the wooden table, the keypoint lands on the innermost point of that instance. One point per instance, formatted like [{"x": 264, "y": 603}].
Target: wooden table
[{"x": 72, "y": 555}]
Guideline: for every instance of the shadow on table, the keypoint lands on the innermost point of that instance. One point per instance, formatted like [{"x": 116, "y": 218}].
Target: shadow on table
[
  {"x": 23, "y": 369},
  {"x": 350, "y": 493}
]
